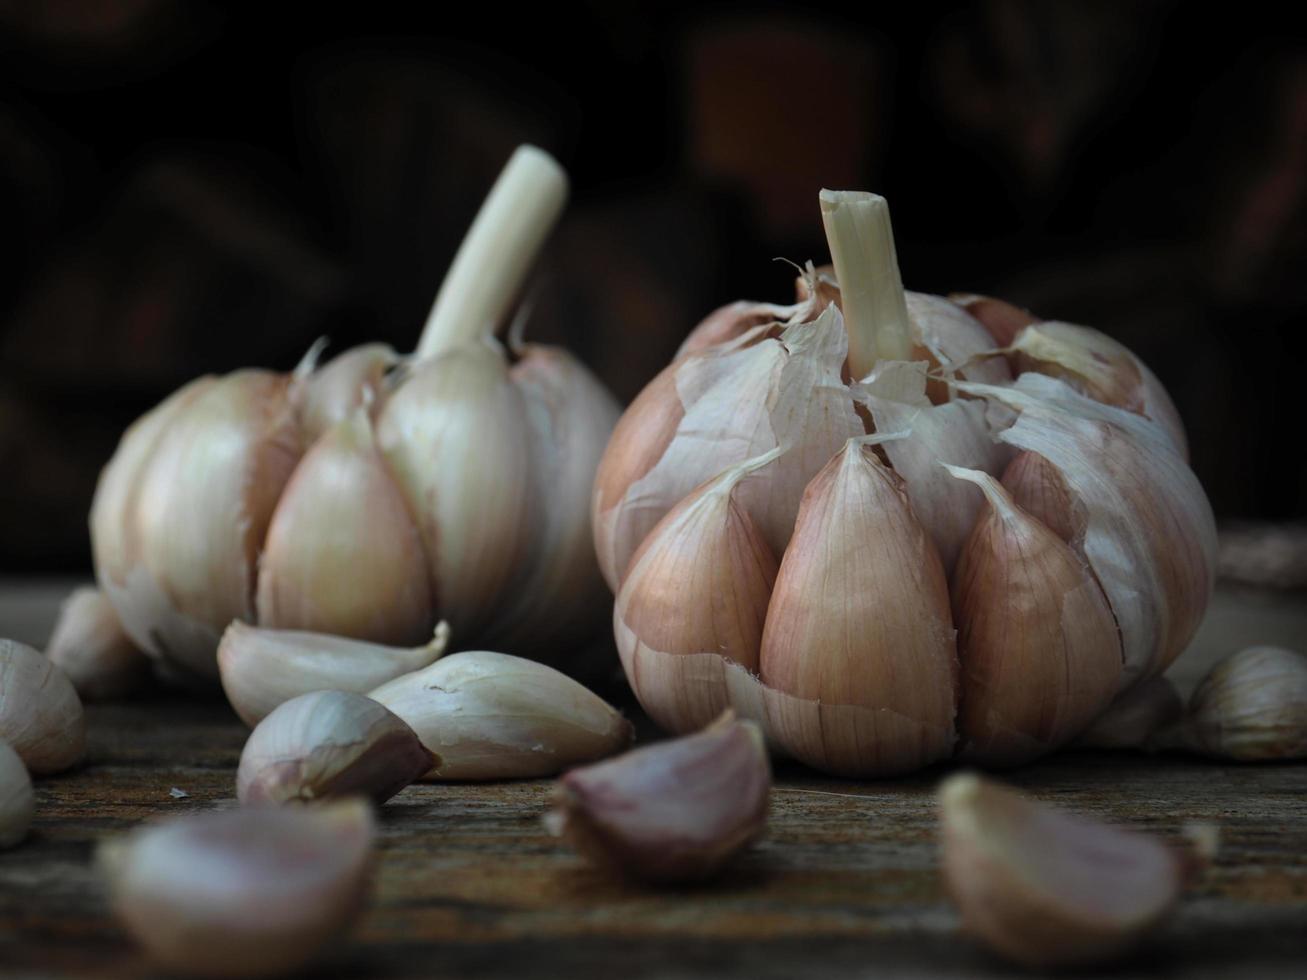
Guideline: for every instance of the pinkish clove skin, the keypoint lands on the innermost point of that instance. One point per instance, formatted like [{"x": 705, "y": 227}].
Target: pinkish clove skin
[
  {"x": 94, "y": 650},
  {"x": 674, "y": 811},
  {"x": 1047, "y": 888}
]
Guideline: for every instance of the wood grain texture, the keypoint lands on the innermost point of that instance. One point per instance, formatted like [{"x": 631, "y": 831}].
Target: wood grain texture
[{"x": 844, "y": 884}]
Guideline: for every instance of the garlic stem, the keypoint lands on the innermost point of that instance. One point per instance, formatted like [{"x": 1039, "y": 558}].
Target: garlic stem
[
  {"x": 875, "y": 309},
  {"x": 498, "y": 252}
]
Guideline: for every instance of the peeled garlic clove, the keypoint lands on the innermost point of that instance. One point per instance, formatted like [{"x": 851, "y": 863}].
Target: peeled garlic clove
[
  {"x": 455, "y": 438},
  {"x": 1047, "y": 888},
  {"x": 249, "y": 892},
  {"x": 1040, "y": 651},
  {"x": 1001, "y": 319},
  {"x": 674, "y": 811},
  {"x": 17, "y": 801},
  {"x": 262, "y": 668},
  {"x": 1135, "y": 717},
  {"x": 860, "y": 611},
  {"x": 351, "y": 380},
  {"x": 91, "y": 647},
  {"x": 41, "y": 716},
  {"x": 1037, "y": 487},
  {"x": 342, "y": 554},
  {"x": 492, "y": 716},
  {"x": 1252, "y": 706},
  {"x": 329, "y": 744}
]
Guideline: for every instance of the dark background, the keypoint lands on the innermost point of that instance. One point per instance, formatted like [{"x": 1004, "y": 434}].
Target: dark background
[{"x": 189, "y": 188}]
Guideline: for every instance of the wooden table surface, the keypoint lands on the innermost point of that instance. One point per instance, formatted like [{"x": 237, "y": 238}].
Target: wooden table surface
[{"x": 845, "y": 883}]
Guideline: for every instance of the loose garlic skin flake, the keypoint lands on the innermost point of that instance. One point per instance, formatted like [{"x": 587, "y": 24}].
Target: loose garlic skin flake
[{"x": 928, "y": 520}]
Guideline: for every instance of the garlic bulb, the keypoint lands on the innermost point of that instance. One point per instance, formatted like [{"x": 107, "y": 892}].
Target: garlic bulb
[
  {"x": 1047, "y": 888},
  {"x": 89, "y": 645},
  {"x": 41, "y": 716},
  {"x": 673, "y": 811},
  {"x": 1131, "y": 721},
  {"x": 262, "y": 668},
  {"x": 375, "y": 494},
  {"x": 846, "y": 517},
  {"x": 249, "y": 892},
  {"x": 487, "y": 715},
  {"x": 17, "y": 801},
  {"x": 329, "y": 744}
]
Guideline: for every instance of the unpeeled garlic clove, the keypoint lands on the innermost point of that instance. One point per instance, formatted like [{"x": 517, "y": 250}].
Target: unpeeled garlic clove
[
  {"x": 1001, "y": 319},
  {"x": 731, "y": 322},
  {"x": 342, "y": 554},
  {"x": 1131, "y": 721},
  {"x": 1251, "y": 707},
  {"x": 17, "y": 801},
  {"x": 329, "y": 744},
  {"x": 91, "y": 647},
  {"x": 1038, "y": 488},
  {"x": 1039, "y": 648},
  {"x": 41, "y": 716},
  {"x": 1048, "y": 888},
  {"x": 674, "y": 811},
  {"x": 493, "y": 716},
  {"x": 262, "y": 668},
  {"x": 249, "y": 892},
  {"x": 353, "y": 379}
]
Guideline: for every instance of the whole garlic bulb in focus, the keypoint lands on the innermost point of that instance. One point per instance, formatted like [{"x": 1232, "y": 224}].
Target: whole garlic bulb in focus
[
  {"x": 846, "y": 517},
  {"x": 377, "y": 494}
]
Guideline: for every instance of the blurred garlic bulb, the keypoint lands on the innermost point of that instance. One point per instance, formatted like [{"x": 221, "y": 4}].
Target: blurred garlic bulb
[
  {"x": 90, "y": 646},
  {"x": 374, "y": 494},
  {"x": 1131, "y": 721},
  {"x": 17, "y": 802},
  {"x": 248, "y": 892},
  {"x": 41, "y": 716},
  {"x": 846, "y": 517}
]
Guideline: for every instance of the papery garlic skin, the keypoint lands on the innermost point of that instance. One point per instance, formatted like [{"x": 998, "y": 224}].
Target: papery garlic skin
[
  {"x": 1046, "y": 888},
  {"x": 262, "y": 668},
  {"x": 41, "y": 716},
  {"x": 91, "y": 647},
  {"x": 674, "y": 811},
  {"x": 489, "y": 715},
  {"x": 329, "y": 744},
  {"x": 249, "y": 892},
  {"x": 1252, "y": 707},
  {"x": 17, "y": 801}
]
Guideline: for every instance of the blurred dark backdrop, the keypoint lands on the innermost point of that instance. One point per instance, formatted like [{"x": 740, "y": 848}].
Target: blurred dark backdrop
[{"x": 190, "y": 187}]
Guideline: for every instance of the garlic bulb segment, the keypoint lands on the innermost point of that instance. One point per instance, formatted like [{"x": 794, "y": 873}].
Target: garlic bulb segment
[
  {"x": 674, "y": 811},
  {"x": 197, "y": 517},
  {"x": 342, "y": 554},
  {"x": 1149, "y": 536},
  {"x": 248, "y": 892},
  {"x": 1252, "y": 707},
  {"x": 331, "y": 394},
  {"x": 1037, "y": 487},
  {"x": 1047, "y": 888},
  {"x": 17, "y": 801},
  {"x": 956, "y": 342},
  {"x": 860, "y": 614},
  {"x": 455, "y": 437},
  {"x": 262, "y": 668},
  {"x": 329, "y": 744},
  {"x": 730, "y": 322},
  {"x": 557, "y": 597},
  {"x": 1039, "y": 649},
  {"x": 700, "y": 583},
  {"x": 1135, "y": 717},
  {"x": 1001, "y": 320},
  {"x": 1101, "y": 368},
  {"x": 90, "y": 646},
  {"x": 41, "y": 716},
  {"x": 492, "y": 716}
]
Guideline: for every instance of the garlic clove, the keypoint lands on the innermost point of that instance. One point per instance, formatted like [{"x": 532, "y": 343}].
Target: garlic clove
[
  {"x": 492, "y": 716},
  {"x": 557, "y": 599},
  {"x": 674, "y": 811},
  {"x": 730, "y": 322},
  {"x": 455, "y": 437},
  {"x": 17, "y": 801},
  {"x": 342, "y": 553},
  {"x": 249, "y": 892},
  {"x": 262, "y": 668},
  {"x": 859, "y": 615},
  {"x": 1037, "y": 487},
  {"x": 351, "y": 380},
  {"x": 1251, "y": 707},
  {"x": 41, "y": 716},
  {"x": 956, "y": 340},
  {"x": 91, "y": 647},
  {"x": 1134, "y": 717},
  {"x": 1040, "y": 651},
  {"x": 329, "y": 744},
  {"x": 1047, "y": 888},
  {"x": 1001, "y": 320}
]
